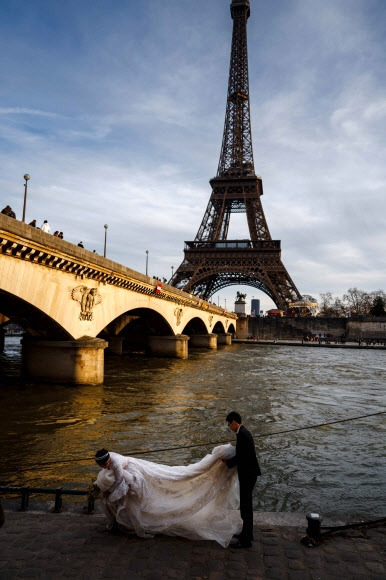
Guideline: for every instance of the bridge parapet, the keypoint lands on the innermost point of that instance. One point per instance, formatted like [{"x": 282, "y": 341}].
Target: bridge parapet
[{"x": 24, "y": 242}]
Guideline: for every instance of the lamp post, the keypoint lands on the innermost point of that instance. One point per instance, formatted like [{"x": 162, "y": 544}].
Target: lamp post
[
  {"x": 225, "y": 303},
  {"x": 104, "y": 251},
  {"x": 26, "y": 177},
  {"x": 172, "y": 274},
  {"x": 147, "y": 260}
]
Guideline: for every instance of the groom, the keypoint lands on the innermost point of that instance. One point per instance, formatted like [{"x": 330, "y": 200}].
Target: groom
[{"x": 247, "y": 470}]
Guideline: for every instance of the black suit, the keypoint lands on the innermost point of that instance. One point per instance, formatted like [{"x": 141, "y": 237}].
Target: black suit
[{"x": 247, "y": 469}]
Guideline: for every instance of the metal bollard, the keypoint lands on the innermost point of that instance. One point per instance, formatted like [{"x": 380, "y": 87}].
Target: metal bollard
[
  {"x": 2, "y": 516},
  {"x": 24, "y": 499},
  {"x": 58, "y": 500},
  {"x": 90, "y": 505},
  {"x": 314, "y": 524}
]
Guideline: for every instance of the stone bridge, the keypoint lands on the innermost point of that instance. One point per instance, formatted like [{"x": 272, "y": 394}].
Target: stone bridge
[{"x": 74, "y": 303}]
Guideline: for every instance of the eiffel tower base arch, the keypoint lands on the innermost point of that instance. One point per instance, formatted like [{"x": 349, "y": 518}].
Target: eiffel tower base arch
[{"x": 209, "y": 267}]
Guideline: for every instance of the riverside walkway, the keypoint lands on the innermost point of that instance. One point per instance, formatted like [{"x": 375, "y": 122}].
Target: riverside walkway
[
  {"x": 40, "y": 544},
  {"x": 313, "y": 344}
]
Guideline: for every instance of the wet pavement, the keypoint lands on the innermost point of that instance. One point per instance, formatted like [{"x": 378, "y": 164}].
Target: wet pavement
[{"x": 41, "y": 544}]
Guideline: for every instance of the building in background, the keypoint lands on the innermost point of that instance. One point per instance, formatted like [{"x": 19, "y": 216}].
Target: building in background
[{"x": 255, "y": 307}]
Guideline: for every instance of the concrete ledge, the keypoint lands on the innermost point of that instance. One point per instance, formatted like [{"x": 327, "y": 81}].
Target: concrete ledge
[{"x": 279, "y": 519}]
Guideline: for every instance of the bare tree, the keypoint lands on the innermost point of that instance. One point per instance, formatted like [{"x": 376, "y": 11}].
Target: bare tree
[
  {"x": 325, "y": 304},
  {"x": 331, "y": 307},
  {"x": 357, "y": 302}
]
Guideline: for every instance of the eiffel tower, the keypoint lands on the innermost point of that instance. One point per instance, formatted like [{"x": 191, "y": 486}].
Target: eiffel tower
[{"x": 212, "y": 261}]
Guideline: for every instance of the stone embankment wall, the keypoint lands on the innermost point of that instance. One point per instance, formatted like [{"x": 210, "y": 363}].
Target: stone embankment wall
[
  {"x": 374, "y": 328},
  {"x": 298, "y": 328}
]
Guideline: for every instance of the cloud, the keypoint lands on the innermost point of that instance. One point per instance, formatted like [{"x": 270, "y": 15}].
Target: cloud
[
  {"x": 25, "y": 111},
  {"x": 117, "y": 114}
]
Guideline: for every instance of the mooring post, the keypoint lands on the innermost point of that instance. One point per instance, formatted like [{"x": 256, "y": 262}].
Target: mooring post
[
  {"x": 2, "y": 516},
  {"x": 314, "y": 523},
  {"x": 58, "y": 500},
  {"x": 24, "y": 499}
]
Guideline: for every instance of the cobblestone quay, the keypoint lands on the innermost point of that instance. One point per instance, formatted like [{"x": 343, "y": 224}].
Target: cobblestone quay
[{"x": 74, "y": 545}]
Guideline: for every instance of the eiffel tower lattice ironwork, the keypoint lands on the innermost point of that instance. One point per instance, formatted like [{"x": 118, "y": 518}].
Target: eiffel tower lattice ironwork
[{"x": 212, "y": 261}]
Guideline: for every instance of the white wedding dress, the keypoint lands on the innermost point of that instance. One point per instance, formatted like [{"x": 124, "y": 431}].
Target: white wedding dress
[{"x": 197, "y": 501}]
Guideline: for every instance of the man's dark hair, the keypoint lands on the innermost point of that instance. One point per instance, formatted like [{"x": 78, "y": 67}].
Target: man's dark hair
[{"x": 233, "y": 416}]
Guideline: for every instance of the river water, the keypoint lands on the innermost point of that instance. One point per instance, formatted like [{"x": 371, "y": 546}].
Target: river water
[{"x": 49, "y": 433}]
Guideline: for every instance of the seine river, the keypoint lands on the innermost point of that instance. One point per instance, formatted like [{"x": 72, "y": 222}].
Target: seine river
[{"x": 49, "y": 433}]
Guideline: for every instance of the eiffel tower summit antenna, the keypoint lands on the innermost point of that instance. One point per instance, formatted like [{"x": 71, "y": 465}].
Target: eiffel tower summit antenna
[{"x": 212, "y": 261}]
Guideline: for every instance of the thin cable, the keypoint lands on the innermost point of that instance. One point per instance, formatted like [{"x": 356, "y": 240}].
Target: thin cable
[
  {"x": 331, "y": 530},
  {"x": 212, "y": 444}
]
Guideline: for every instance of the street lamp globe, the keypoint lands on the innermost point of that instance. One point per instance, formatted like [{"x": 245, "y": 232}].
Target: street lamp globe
[
  {"x": 26, "y": 177},
  {"x": 104, "y": 249}
]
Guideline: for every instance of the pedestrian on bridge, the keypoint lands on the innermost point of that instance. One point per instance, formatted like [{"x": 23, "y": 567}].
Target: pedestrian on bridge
[
  {"x": 8, "y": 211},
  {"x": 45, "y": 227}
]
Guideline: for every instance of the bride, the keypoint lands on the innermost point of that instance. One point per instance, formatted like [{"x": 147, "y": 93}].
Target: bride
[{"x": 197, "y": 501}]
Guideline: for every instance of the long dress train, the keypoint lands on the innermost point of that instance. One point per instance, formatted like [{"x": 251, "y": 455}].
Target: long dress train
[{"x": 197, "y": 501}]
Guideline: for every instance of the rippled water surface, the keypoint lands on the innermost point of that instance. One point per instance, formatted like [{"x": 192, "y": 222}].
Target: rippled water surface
[{"x": 49, "y": 434}]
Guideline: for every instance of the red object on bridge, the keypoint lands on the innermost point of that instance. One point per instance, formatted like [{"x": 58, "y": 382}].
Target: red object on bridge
[
  {"x": 159, "y": 288},
  {"x": 274, "y": 312}
]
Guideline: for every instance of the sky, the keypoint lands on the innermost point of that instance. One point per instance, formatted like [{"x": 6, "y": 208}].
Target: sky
[{"x": 116, "y": 110}]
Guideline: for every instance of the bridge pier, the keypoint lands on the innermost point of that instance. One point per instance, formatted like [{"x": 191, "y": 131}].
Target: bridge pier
[
  {"x": 2, "y": 335},
  {"x": 79, "y": 362},
  {"x": 115, "y": 344},
  {"x": 173, "y": 346},
  {"x": 204, "y": 340},
  {"x": 225, "y": 338}
]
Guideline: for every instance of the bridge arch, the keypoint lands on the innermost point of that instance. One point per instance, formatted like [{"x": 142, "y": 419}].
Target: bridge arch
[
  {"x": 32, "y": 319},
  {"x": 195, "y": 326},
  {"x": 133, "y": 328},
  {"x": 219, "y": 327},
  {"x": 232, "y": 328},
  {"x": 151, "y": 319}
]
